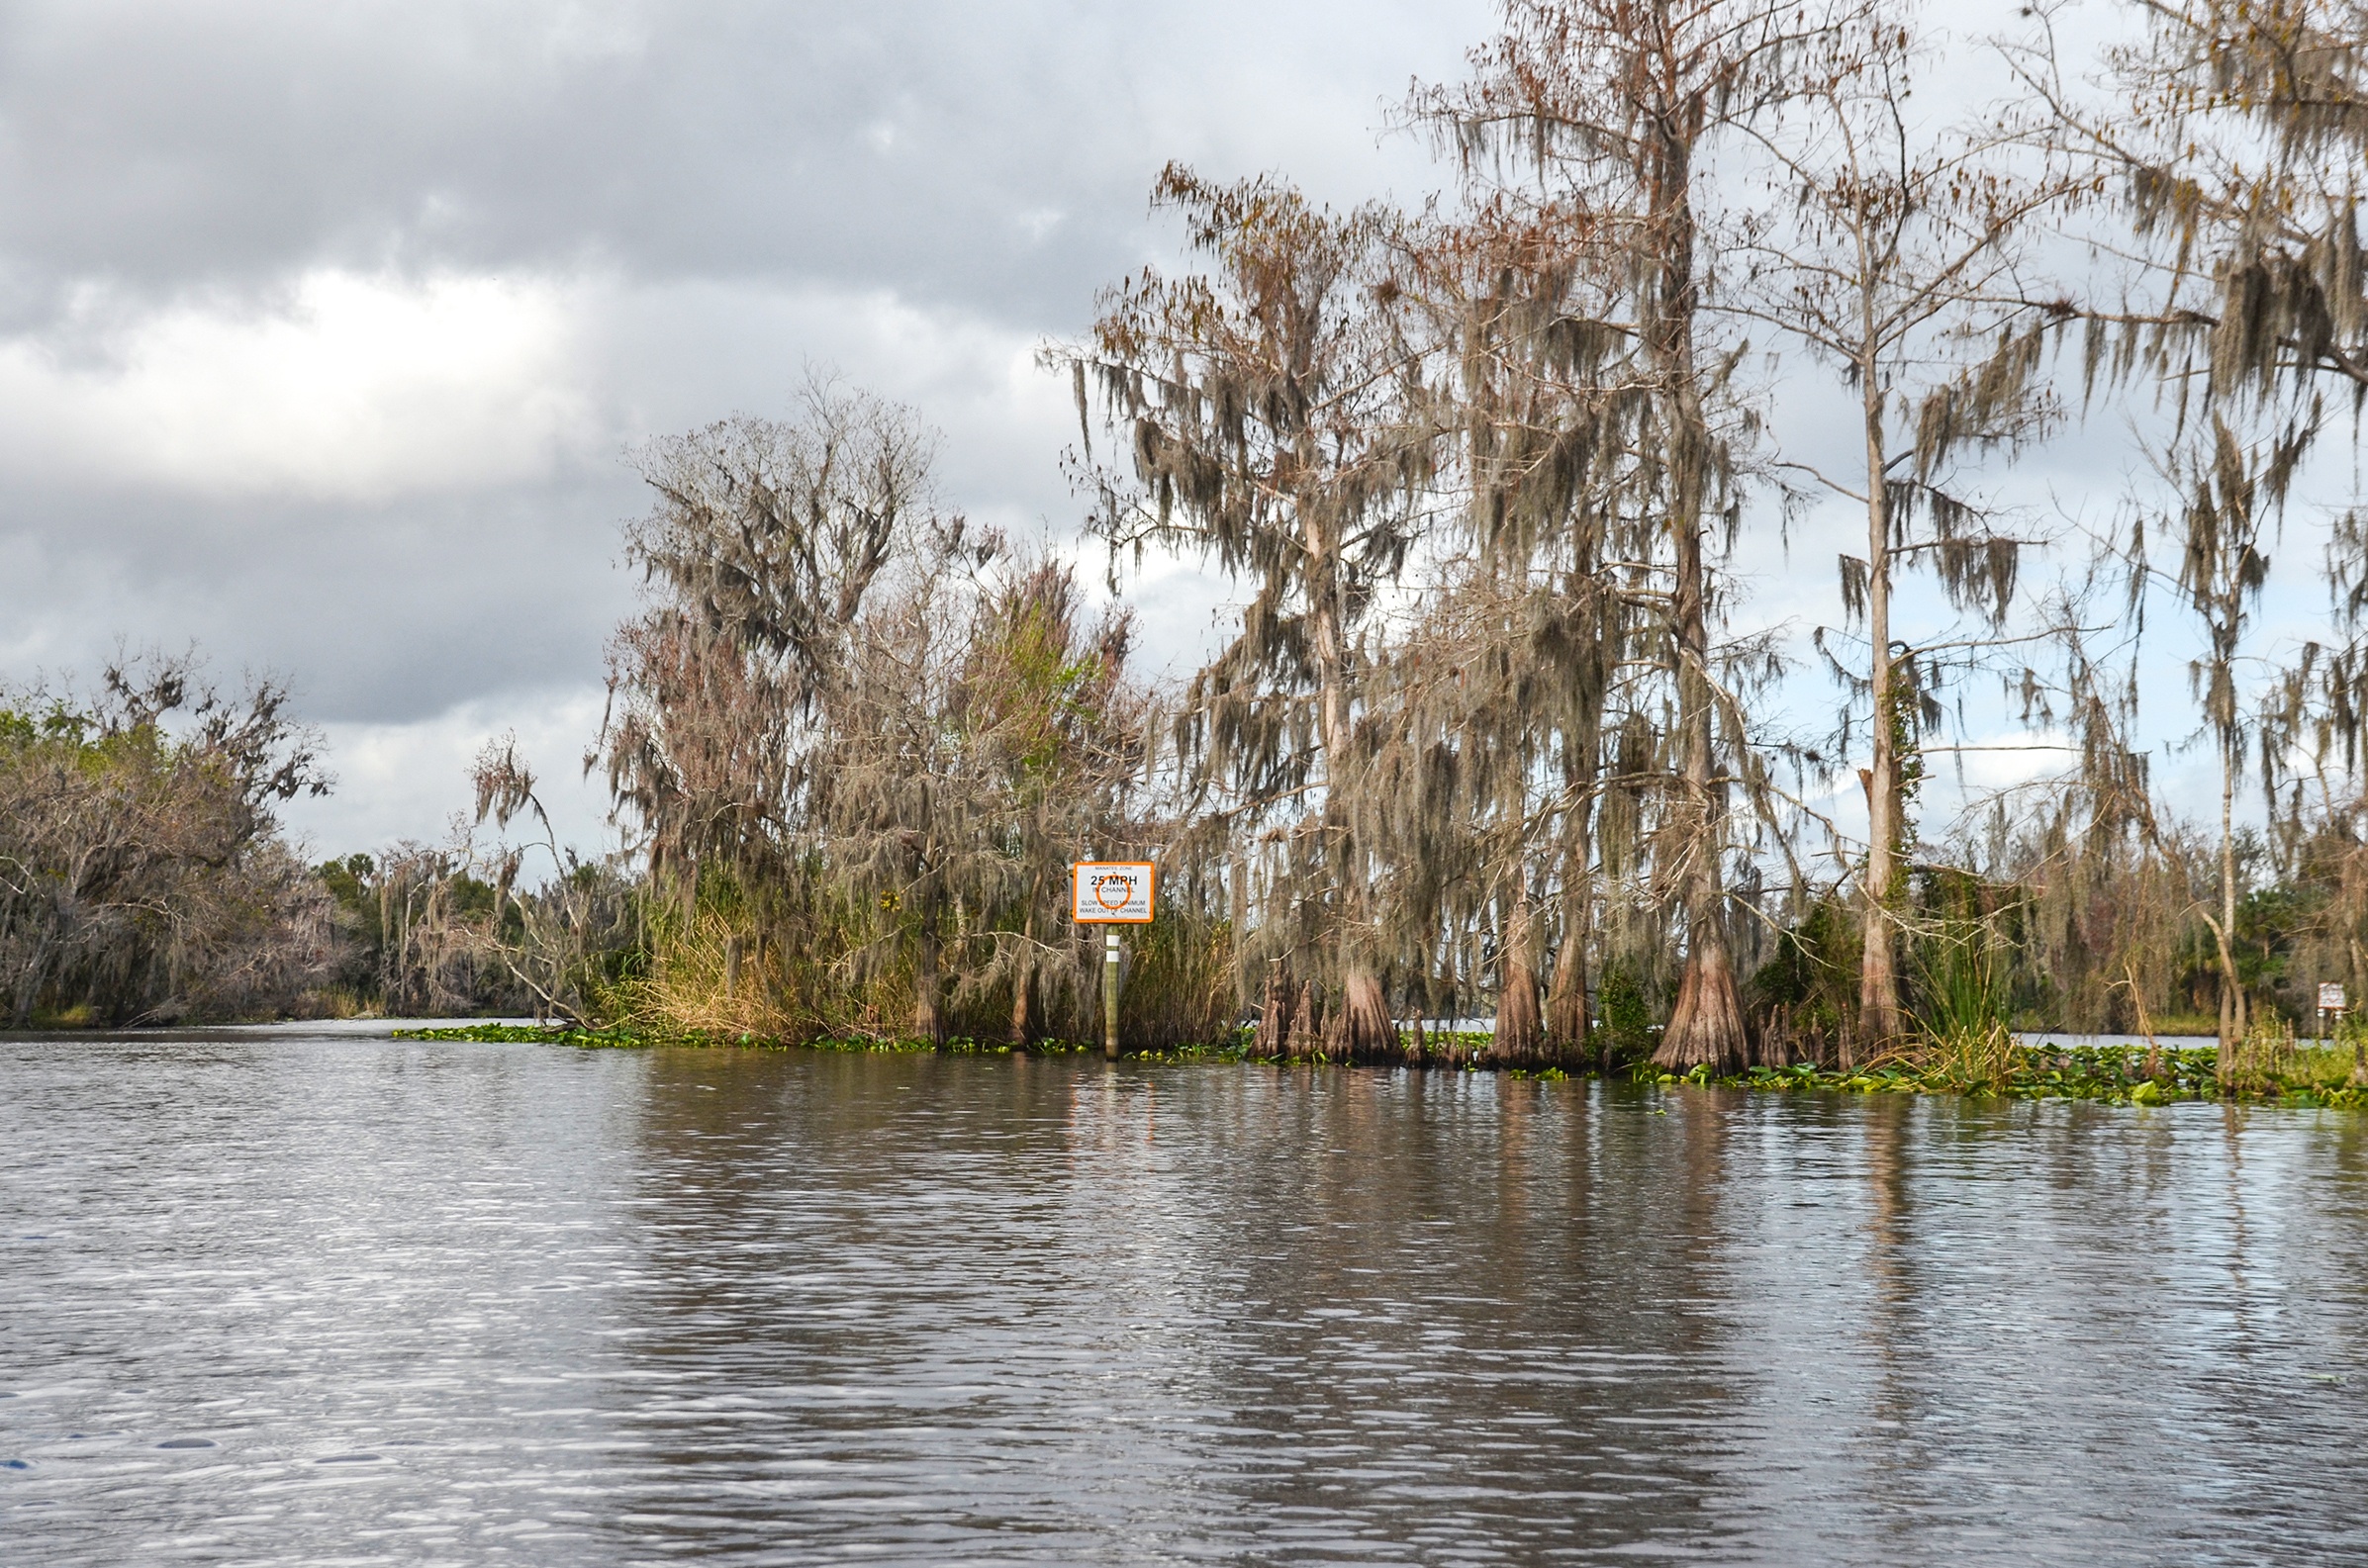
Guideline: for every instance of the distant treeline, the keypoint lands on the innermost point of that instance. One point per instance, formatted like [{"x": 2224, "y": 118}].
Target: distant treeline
[
  {"x": 1485, "y": 736},
  {"x": 142, "y": 876}
]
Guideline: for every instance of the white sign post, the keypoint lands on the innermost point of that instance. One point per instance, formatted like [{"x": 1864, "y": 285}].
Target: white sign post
[
  {"x": 1110, "y": 893},
  {"x": 2331, "y": 1000}
]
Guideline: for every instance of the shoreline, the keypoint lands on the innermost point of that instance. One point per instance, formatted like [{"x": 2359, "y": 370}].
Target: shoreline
[{"x": 2109, "y": 1074}]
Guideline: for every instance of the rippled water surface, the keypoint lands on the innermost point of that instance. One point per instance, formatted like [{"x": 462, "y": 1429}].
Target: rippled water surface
[{"x": 310, "y": 1299}]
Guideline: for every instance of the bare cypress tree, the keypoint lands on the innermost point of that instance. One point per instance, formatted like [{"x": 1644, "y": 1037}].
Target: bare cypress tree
[
  {"x": 902, "y": 817},
  {"x": 761, "y": 549},
  {"x": 1059, "y": 737},
  {"x": 1477, "y": 712},
  {"x": 1548, "y": 609},
  {"x": 1897, "y": 261},
  {"x": 1492, "y": 747},
  {"x": 2108, "y": 881},
  {"x": 2233, "y": 146},
  {"x": 1266, "y": 410},
  {"x": 2230, "y": 496},
  {"x": 142, "y": 875},
  {"x": 1614, "y": 106},
  {"x": 579, "y": 915}
]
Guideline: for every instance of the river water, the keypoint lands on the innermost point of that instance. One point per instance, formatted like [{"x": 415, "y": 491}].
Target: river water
[{"x": 291, "y": 1297}]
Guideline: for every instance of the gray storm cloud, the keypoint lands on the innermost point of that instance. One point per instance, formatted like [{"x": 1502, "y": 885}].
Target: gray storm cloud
[
  {"x": 324, "y": 331},
  {"x": 992, "y": 155}
]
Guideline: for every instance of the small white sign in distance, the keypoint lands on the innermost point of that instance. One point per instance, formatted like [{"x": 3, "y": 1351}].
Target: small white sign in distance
[
  {"x": 1110, "y": 891},
  {"x": 2331, "y": 997}
]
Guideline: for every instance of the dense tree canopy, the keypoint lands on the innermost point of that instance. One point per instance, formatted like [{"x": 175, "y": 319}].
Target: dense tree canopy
[{"x": 1491, "y": 732}]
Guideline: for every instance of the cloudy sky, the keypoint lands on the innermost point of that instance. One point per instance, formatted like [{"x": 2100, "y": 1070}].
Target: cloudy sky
[{"x": 325, "y": 329}]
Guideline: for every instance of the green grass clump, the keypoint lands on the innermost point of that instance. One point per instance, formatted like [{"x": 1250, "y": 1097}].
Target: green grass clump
[
  {"x": 2267, "y": 1073},
  {"x": 2270, "y": 1068},
  {"x": 634, "y": 1035},
  {"x": 535, "y": 1035}
]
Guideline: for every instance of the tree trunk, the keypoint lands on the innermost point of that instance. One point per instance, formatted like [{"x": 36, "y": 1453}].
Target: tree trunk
[
  {"x": 1445, "y": 996},
  {"x": 1566, "y": 997},
  {"x": 1519, "y": 1030},
  {"x": 927, "y": 1022},
  {"x": 1706, "y": 1027},
  {"x": 1237, "y": 916},
  {"x": 1022, "y": 977},
  {"x": 1366, "y": 1030},
  {"x": 29, "y": 985},
  {"x": 1307, "y": 1026},
  {"x": 1433, "y": 1005},
  {"x": 1363, "y": 1030},
  {"x": 1273, "y": 1039},
  {"x": 1879, "y": 1026},
  {"x": 2232, "y": 1020}
]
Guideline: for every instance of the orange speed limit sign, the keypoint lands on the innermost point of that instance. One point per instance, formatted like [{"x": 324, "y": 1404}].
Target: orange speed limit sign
[{"x": 1110, "y": 890}]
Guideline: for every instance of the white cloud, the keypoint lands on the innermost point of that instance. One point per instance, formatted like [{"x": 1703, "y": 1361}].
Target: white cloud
[
  {"x": 411, "y": 780},
  {"x": 345, "y": 387},
  {"x": 399, "y": 487}
]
